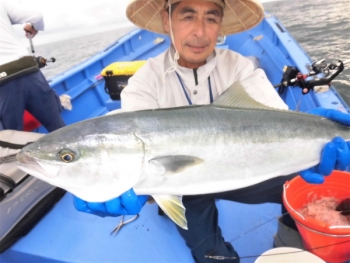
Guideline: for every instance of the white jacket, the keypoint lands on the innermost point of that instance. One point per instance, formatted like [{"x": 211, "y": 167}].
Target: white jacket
[
  {"x": 151, "y": 88},
  {"x": 11, "y": 13}
]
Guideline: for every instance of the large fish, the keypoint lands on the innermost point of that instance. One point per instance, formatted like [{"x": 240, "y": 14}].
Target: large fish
[{"x": 233, "y": 143}]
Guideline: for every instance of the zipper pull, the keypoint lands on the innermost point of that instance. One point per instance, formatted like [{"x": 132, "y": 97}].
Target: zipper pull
[{"x": 195, "y": 76}]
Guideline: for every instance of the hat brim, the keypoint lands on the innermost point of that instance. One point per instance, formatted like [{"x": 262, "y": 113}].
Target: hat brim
[{"x": 239, "y": 15}]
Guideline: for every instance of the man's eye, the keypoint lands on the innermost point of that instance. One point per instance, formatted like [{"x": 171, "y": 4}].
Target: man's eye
[
  {"x": 188, "y": 17},
  {"x": 212, "y": 20}
]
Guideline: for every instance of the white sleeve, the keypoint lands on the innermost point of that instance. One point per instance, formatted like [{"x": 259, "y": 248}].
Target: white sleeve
[
  {"x": 20, "y": 14},
  {"x": 259, "y": 88},
  {"x": 257, "y": 85},
  {"x": 141, "y": 91}
]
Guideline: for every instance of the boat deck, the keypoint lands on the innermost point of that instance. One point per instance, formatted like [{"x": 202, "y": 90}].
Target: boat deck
[{"x": 65, "y": 235}]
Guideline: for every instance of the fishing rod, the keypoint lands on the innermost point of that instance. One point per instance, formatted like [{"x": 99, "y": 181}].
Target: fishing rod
[
  {"x": 293, "y": 77},
  {"x": 220, "y": 258},
  {"x": 40, "y": 60},
  {"x": 31, "y": 43}
]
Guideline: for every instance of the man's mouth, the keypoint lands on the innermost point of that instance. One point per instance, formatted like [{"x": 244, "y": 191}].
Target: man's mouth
[{"x": 196, "y": 48}]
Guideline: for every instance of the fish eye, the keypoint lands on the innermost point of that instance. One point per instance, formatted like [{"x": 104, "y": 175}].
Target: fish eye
[{"x": 66, "y": 156}]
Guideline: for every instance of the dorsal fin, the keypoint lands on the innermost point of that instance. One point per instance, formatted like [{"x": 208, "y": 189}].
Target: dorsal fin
[{"x": 236, "y": 97}]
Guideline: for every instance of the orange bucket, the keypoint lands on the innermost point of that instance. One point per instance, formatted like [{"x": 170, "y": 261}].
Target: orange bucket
[{"x": 331, "y": 243}]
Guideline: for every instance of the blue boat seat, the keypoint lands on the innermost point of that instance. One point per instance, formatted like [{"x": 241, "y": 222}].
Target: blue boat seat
[
  {"x": 254, "y": 59},
  {"x": 112, "y": 104}
]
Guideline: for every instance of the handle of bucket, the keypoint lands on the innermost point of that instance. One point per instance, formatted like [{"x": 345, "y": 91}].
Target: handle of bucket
[{"x": 285, "y": 187}]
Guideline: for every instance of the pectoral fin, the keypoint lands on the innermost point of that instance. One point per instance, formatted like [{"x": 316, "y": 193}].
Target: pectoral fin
[
  {"x": 172, "y": 164},
  {"x": 173, "y": 207}
]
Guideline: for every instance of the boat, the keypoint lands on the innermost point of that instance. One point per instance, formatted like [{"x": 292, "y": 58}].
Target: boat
[{"x": 66, "y": 235}]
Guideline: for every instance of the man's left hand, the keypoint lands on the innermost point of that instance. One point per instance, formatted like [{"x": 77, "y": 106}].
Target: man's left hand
[{"x": 335, "y": 154}]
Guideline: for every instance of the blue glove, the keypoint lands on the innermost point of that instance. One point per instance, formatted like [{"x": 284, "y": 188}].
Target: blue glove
[
  {"x": 126, "y": 204},
  {"x": 333, "y": 115},
  {"x": 335, "y": 154}
]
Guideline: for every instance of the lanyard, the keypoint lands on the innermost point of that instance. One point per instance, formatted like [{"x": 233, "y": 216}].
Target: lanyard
[{"x": 187, "y": 97}]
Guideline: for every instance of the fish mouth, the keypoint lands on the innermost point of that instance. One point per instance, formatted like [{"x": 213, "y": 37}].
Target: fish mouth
[
  {"x": 22, "y": 158},
  {"x": 36, "y": 168}
]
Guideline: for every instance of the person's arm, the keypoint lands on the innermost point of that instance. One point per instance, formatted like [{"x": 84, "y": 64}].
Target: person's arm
[
  {"x": 261, "y": 89},
  {"x": 19, "y": 14},
  {"x": 257, "y": 85},
  {"x": 141, "y": 91}
]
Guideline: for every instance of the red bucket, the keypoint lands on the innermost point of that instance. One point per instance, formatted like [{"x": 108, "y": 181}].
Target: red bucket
[{"x": 330, "y": 243}]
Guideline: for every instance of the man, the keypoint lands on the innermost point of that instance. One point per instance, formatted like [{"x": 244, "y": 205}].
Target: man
[
  {"x": 190, "y": 72},
  {"x": 22, "y": 85}
]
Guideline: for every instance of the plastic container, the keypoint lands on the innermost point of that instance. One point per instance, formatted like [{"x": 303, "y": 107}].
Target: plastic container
[
  {"x": 116, "y": 76},
  {"x": 331, "y": 243},
  {"x": 288, "y": 255}
]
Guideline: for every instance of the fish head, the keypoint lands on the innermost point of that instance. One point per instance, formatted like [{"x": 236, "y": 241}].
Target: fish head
[{"x": 96, "y": 167}]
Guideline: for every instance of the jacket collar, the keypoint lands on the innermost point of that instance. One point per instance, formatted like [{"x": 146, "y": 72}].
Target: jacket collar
[{"x": 187, "y": 75}]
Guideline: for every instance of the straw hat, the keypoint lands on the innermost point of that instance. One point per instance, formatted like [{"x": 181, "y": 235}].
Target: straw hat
[{"x": 239, "y": 15}]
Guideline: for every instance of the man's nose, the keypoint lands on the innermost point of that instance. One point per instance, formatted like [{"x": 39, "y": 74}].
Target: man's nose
[{"x": 199, "y": 27}]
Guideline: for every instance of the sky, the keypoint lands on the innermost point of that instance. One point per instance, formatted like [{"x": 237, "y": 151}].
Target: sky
[{"x": 65, "y": 19}]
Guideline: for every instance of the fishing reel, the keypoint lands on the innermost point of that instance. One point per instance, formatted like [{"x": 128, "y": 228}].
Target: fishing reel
[
  {"x": 293, "y": 77},
  {"x": 42, "y": 61}
]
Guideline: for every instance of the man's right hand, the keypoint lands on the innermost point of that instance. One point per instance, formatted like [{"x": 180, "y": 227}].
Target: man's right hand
[
  {"x": 127, "y": 204},
  {"x": 30, "y": 30}
]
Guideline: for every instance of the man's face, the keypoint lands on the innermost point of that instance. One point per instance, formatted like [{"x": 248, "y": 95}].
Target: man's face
[{"x": 196, "y": 27}]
